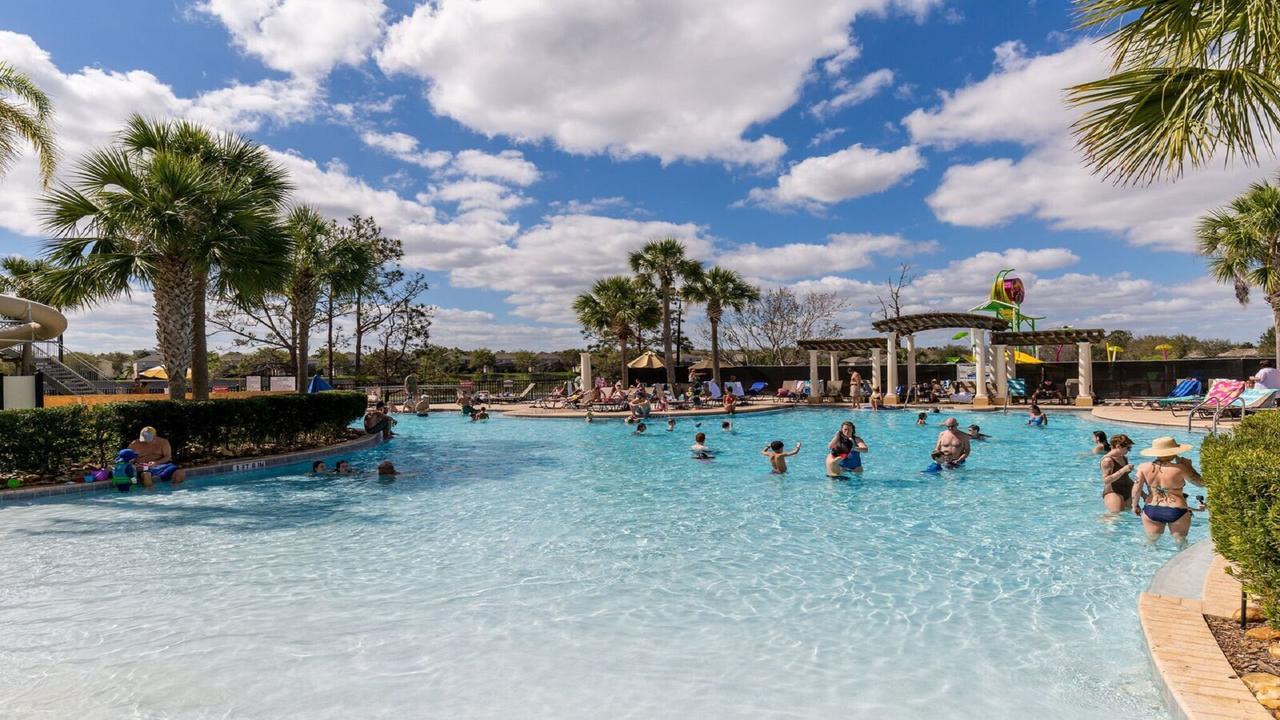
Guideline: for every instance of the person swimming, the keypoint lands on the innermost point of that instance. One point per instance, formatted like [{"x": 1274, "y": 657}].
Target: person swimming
[
  {"x": 922, "y": 418},
  {"x": 848, "y": 446},
  {"x": 1036, "y": 416},
  {"x": 975, "y": 433},
  {"x": 1100, "y": 444},
  {"x": 591, "y": 417},
  {"x": 640, "y": 428},
  {"x": 777, "y": 457},
  {"x": 318, "y": 467},
  {"x": 699, "y": 447},
  {"x": 671, "y": 424},
  {"x": 726, "y": 426},
  {"x": 342, "y": 467}
]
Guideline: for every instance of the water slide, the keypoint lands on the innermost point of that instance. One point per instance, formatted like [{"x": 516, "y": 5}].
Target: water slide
[{"x": 35, "y": 322}]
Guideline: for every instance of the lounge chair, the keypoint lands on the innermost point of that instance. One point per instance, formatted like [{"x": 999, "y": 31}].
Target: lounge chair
[
  {"x": 1185, "y": 388},
  {"x": 832, "y": 389},
  {"x": 714, "y": 391},
  {"x": 735, "y": 387},
  {"x": 757, "y": 389},
  {"x": 1220, "y": 394},
  {"x": 1249, "y": 399}
]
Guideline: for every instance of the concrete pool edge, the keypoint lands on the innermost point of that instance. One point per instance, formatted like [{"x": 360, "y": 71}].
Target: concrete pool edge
[
  {"x": 217, "y": 469},
  {"x": 1193, "y": 675}
]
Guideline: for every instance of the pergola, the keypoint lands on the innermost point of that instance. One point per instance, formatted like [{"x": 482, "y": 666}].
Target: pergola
[
  {"x": 836, "y": 346},
  {"x": 909, "y": 325},
  {"x": 1082, "y": 337}
]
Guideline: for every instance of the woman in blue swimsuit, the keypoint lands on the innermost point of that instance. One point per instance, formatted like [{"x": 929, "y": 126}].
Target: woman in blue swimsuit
[
  {"x": 1160, "y": 484},
  {"x": 1037, "y": 417},
  {"x": 846, "y": 443}
]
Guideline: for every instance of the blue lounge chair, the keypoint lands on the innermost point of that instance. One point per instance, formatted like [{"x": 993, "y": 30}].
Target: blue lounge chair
[
  {"x": 757, "y": 388},
  {"x": 1017, "y": 388},
  {"x": 1187, "y": 390}
]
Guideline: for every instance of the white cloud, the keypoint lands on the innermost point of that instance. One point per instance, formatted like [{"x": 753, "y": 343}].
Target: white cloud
[
  {"x": 243, "y": 108},
  {"x": 594, "y": 206},
  {"x": 508, "y": 166},
  {"x": 546, "y": 265},
  {"x": 469, "y": 329},
  {"x": 672, "y": 79},
  {"x": 124, "y": 324},
  {"x": 836, "y": 64},
  {"x": 825, "y": 136},
  {"x": 861, "y": 91},
  {"x": 842, "y": 252},
  {"x": 473, "y": 194},
  {"x": 849, "y": 173},
  {"x": 1022, "y": 101},
  {"x": 302, "y": 37},
  {"x": 405, "y": 147}
]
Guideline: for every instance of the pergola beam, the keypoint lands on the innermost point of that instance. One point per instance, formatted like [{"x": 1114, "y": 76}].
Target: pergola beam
[
  {"x": 1061, "y": 336},
  {"x": 909, "y": 324},
  {"x": 841, "y": 344}
]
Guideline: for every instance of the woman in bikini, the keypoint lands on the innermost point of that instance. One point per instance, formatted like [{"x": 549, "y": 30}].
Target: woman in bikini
[
  {"x": 1117, "y": 486},
  {"x": 1160, "y": 484}
]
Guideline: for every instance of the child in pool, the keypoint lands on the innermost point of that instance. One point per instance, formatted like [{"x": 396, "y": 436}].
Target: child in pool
[
  {"x": 922, "y": 418},
  {"x": 936, "y": 466},
  {"x": 640, "y": 428},
  {"x": 671, "y": 424},
  {"x": 835, "y": 468},
  {"x": 778, "y": 458},
  {"x": 699, "y": 447},
  {"x": 726, "y": 426}
]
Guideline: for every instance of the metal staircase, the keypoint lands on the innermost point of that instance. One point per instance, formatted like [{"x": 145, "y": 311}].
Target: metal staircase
[{"x": 59, "y": 377}]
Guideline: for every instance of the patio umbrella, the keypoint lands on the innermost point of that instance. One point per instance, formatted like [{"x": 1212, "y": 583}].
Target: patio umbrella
[
  {"x": 159, "y": 373},
  {"x": 647, "y": 360},
  {"x": 1164, "y": 349}
]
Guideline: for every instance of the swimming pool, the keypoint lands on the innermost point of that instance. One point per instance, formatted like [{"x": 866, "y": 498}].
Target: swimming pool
[{"x": 554, "y": 569}]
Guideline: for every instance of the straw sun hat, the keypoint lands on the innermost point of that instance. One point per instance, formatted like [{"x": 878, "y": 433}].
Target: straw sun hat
[{"x": 1163, "y": 447}]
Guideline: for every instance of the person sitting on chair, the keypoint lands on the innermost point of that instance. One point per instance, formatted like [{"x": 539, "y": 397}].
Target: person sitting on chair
[
  {"x": 155, "y": 459},
  {"x": 1047, "y": 389}
]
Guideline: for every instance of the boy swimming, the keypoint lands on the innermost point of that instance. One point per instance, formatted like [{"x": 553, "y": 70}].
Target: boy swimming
[
  {"x": 699, "y": 447},
  {"x": 922, "y": 418},
  {"x": 778, "y": 458},
  {"x": 726, "y": 426},
  {"x": 671, "y": 424}
]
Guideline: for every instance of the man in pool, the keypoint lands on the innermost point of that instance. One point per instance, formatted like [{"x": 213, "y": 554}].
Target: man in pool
[
  {"x": 155, "y": 459},
  {"x": 777, "y": 457},
  {"x": 386, "y": 468},
  {"x": 975, "y": 433},
  {"x": 378, "y": 421},
  {"x": 953, "y": 444},
  {"x": 342, "y": 467}
]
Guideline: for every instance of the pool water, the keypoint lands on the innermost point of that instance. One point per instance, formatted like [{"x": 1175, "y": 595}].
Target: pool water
[{"x": 555, "y": 569}]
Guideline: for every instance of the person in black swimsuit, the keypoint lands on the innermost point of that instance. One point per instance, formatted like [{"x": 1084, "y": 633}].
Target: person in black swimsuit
[{"x": 1117, "y": 486}]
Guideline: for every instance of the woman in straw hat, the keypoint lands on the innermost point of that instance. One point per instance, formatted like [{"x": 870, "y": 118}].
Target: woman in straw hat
[{"x": 1160, "y": 484}]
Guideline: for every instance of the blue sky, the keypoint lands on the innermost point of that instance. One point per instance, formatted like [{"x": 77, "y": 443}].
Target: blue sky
[{"x": 521, "y": 148}]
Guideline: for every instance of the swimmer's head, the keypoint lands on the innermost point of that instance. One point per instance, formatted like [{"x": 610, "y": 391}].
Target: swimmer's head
[
  {"x": 776, "y": 446},
  {"x": 922, "y": 415},
  {"x": 342, "y": 466},
  {"x": 726, "y": 425},
  {"x": 700, "y": 437},
  {"x": 386, "y": 468},
  {"x": 318, "y": 466},
  {"x": 1121, "y": 441},
  {"x": 951, "y": 423},
  {"x": 1100, "y": 437},
  {"x": 640, "y": 428}
]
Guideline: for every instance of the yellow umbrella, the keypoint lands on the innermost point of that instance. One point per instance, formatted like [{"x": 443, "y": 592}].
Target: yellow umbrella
[
  {"x": 648, "y": 359},
  {"x": 1025, "y": 359},
  {"x": 159, "y": 373},
  {"x": 1164, "y": 349}
]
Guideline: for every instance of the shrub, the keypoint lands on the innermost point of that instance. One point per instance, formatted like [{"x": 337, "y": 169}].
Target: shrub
[
  {"x": 51, "y": 440},
  {"x": 1243, "y": 475}
]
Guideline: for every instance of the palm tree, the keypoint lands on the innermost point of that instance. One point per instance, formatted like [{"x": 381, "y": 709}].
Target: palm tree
[
  {"x": 322, "y": 259},
  {"x": 26, "y": 114},
  {"x": 720, "y": 289},
  {"x": 617, "y": 306},
  {"x": 237, "y": 242},
  {"x": 664, "y": 264},
  {"x": 127, "y": 220},
  {"x": 20, "y": 276},
  {"x": 1188, "y": 79},
  {"x": 1242, "y": 243}
]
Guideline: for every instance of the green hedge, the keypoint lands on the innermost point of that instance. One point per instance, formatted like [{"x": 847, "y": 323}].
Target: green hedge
[
  {"x": 1243, "y": 474},
  {"x": 50, "y": 441}
]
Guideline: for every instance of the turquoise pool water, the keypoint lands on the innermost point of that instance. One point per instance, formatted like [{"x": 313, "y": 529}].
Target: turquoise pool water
[{"x": 554, "y": 569}]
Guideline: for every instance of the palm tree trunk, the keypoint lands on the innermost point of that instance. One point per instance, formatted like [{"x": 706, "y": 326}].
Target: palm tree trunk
[
  {"x": 666, "y": 334},
  {"x": 330, "y": 330},
  {"x": 622, "y": 352},
  {"x": 27, "y": 365},
  {"x": 174, "y": 300},
  {"x": 199, "y": 341},
  {"x": 715, "y": 350}
]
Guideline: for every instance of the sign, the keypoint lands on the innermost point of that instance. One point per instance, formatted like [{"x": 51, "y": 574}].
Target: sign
[
  {"x": 283, "y": 384},
  {"x": 252, "y": 465},
  {"x": 967, "y": 372}
]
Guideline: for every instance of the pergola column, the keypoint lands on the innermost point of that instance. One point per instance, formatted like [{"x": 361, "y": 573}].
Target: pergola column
[
  {"x": 585, "y": 359},
  {"x": 911, "y": 364},
  {"x": 814, "y": 395},
  {"x": 1001, "y": 373},
  {"x": 1084, "y": 370},
  {"x": 835, "y": 368},
  {"x": 875, "y": 369},
  {"x": 891, "y": 371},
  {"x": 980, "y": 398}
]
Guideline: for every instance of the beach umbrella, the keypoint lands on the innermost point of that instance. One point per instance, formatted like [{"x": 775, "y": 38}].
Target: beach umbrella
[
  {"x": 1164, "y": 349},
  {"x": 1113, "y": 351},
  {"x": 647, "y": 360},
  {"x": 159, "y": 373},
  {"x": 1025, "y": 359}
]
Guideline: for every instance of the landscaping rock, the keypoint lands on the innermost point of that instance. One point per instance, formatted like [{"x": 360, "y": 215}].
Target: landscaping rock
[
  {"x": 1257, "y": 682},
  {"x": 1264, "y": 633},
  {"x": 1252, "y": 614}
]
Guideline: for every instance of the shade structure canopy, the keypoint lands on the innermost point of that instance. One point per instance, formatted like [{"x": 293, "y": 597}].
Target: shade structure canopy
[
  {"x": 705, "y": 364},
  {"x": 909, "y": 324},
  {"x": 647, "y": 359},
  {"x": 1061, "y": 336},
  {"x": 159, "y": 373},
  {"x": 842, "y": 345}
]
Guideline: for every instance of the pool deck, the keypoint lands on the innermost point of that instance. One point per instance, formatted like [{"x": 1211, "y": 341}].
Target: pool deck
[
  {"x": 197, "y": 472},
  {"x": 1193, "y": 675}
]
